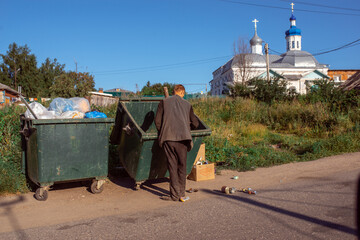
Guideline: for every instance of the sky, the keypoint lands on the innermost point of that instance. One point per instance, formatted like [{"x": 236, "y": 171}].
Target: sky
[{"x": 125, "y": 44}]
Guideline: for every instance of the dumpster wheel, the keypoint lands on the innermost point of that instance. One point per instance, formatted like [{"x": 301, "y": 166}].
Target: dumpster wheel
[
  {"x": 41, "y": 194},
  {"x": 137, "y": 186},
  {"x": 95, "y": 186}
]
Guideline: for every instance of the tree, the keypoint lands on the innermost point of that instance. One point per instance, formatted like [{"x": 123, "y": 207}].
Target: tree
[
  {"x": 270, "y": 91},
  {"x": 243, "y": 61},
  {"x": 239, "y": 90},
  {"x": 157, "y": 88},
  {"x": 50, "y": 70},
  {"x": 72, "y": 84},
  {"x": 63, "y": 86},
  {"x": 84, "y": 83},
  {"x": 19, "y": 68}
]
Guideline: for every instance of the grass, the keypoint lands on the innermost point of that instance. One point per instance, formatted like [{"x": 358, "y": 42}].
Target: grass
[{"x": 247, "y": 134}]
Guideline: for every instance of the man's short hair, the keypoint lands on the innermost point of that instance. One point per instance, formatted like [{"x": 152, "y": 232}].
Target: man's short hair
[{"x": 179, "y": 88}]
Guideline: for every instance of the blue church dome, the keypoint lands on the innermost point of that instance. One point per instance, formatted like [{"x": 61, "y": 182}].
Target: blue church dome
[
  {"x": 292, "y": 17},
  {"x": 293, "y": 31}
]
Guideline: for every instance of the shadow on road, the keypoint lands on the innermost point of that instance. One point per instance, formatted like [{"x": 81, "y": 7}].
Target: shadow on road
[
  {"x": 150, "y": 187},
  {"x": 7, "y": 207},
  {"x": 304, "y": 217}
]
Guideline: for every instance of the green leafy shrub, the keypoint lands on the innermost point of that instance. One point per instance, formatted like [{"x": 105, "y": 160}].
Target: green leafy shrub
[{"x": 11, "y": 178}]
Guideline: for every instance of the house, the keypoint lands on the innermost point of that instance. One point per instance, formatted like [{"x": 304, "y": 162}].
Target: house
[
  {"x": 341, "y": 75},
  {"x": 299, "y": 68},
  {"x": 7, "y": 95},
  {"x": 118, "y": 92},
  {"x": 353, "y": 82}
]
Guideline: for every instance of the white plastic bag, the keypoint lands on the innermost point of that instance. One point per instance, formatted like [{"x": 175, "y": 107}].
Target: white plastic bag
[
  {"x": 72, "y": 114},
  {"x": 40, "y": 111},
  {"x": 80, "y": 104},
  {"x": 60, "y": 105}
]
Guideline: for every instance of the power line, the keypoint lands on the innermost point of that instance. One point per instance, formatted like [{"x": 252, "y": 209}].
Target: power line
[
  {"x": 160, "y": 67},
  {"x": 347, "y": 45},
  {"x": 283, "y": 8},
  {"x": 351, "y": 44},
  {"x": 321, "y": 5},
  {"x": 202, "y": 61}
]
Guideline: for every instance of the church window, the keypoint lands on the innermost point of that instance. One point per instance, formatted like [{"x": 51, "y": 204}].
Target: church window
[
  {"x": 298, "y": 45},
  {"x": 293, "y": 44},
  {"x": 289, "y": 45}
]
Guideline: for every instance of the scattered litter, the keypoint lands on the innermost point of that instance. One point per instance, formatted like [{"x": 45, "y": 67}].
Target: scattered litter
[
  {"x": 228, "y": 190},
  {"x": 225, "y": 189},
  {"x": 184, "y": 199},
  {"x": 192, "y": 190},
  {"x": 248, "y": 191},
  {"x": 235, "y": 177}
]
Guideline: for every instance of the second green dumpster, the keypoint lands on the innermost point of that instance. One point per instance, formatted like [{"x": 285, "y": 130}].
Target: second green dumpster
[{"x": 137, "y": 137}]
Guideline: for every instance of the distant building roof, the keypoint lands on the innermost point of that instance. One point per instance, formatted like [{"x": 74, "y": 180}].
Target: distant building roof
[
  {"x": 290, "y": 59},
  {"x": 6, "y": 87},
  {"x": 117, "y": 90},
  {"x": 353, "y": 82},
  {"x": 101, "y": 94}
]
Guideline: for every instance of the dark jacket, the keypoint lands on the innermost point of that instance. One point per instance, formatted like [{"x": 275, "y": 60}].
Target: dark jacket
[{"x": 174, "y": 119}]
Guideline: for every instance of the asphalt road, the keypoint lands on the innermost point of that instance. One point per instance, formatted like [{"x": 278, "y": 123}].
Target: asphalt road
[{"x": 308, "y": 208}]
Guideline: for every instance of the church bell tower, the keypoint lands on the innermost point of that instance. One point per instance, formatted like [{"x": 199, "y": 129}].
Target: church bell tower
[{"x": 293, "y": 35}]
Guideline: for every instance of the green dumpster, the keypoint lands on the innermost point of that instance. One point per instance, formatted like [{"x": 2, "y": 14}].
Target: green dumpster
[
  {"x": 135, "y": 133},
  {"x": 61, "y": 150}
]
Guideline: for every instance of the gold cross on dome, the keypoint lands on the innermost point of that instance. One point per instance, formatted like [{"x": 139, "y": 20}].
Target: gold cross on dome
[
  {"x": 255, "y": 21},
  {"x": 292, "y": 7}
]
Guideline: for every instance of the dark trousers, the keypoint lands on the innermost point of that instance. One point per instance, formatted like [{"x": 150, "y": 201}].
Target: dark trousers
[{"x": 176, "y": 153}]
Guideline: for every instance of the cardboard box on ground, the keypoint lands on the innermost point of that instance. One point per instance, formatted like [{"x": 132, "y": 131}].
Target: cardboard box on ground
[{"x": 204, "y": 171}]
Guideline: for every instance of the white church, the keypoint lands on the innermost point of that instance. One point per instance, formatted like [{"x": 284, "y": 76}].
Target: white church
[{"x": 297, "y": 67}]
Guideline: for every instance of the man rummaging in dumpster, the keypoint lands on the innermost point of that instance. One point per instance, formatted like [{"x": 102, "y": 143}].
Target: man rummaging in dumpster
[{"x": 174, "y": 119}]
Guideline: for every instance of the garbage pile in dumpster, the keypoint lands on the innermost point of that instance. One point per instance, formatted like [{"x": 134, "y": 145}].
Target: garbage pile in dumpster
[{"x": 63, "y": 108}]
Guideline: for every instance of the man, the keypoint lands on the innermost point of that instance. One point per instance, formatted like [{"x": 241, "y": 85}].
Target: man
[{"x": 174, "y": 120}]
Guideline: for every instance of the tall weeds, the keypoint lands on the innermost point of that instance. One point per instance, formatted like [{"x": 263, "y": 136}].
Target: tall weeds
[{"x": 247, "y": 133}]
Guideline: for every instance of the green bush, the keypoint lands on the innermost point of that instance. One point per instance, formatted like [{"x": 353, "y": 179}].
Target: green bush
[
  {"x": 11, "y": 178},
  {"x": 335, "y": 98}
]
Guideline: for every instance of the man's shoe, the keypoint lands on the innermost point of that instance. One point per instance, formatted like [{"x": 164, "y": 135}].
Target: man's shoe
[
  {"x": 167, "y": 198},
  {"x": 184, "y": 199}
]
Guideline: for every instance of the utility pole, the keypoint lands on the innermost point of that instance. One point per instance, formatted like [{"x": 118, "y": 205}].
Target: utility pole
[
  {"x": 15, "y": 77},
  {"x": 267, "y": 62},
  {"x": 16, "y": 70},
  {"x": 75, "y": 65}
]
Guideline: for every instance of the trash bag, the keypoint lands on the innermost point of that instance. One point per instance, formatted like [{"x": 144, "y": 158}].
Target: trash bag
[
  {"x": 72, "y": 114},
  {"x": 80, "y": 104},
  {"x": 40, "y": 111},
  {"x": 95, "y": 114},
  {"x": 60, "y": 105}
]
